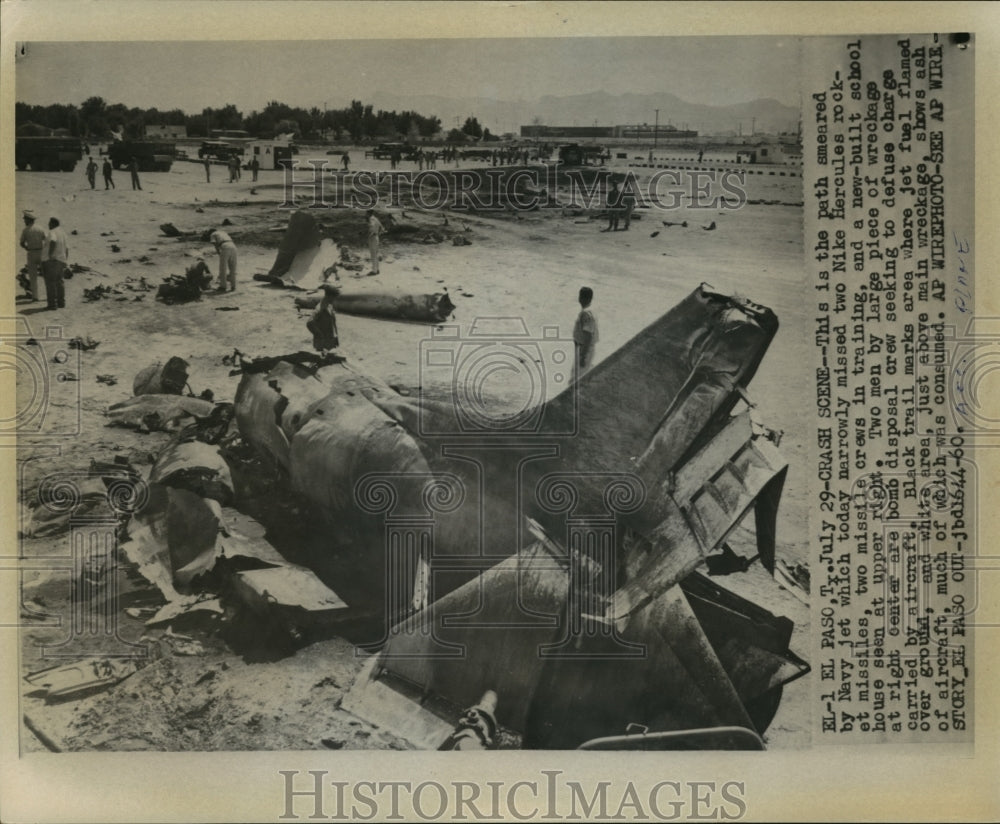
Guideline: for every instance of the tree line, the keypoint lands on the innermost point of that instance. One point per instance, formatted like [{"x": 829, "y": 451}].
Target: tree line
[{"x": 96, "y": 119}]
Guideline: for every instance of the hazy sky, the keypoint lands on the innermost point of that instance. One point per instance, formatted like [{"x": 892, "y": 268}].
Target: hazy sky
[{"x": 193, "y": 75}]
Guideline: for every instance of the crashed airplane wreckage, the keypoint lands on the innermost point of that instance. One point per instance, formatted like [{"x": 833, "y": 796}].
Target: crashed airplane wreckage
[
  {"x": 307, "y": 260},
  {"x": 540, "y": 568}
]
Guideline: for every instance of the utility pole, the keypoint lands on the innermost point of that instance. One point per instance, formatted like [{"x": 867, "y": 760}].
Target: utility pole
[
  {"x": 656, "y": 129},
  {"x": 753, "y": 126}
]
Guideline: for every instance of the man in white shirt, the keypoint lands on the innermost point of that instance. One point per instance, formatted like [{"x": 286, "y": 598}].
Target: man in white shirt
[
  {"x": 227, "y": 259},
  {"x": 584, "y": 335},
  {"x": 33, "y": 242},
  {"x": 56, "y": 258}
]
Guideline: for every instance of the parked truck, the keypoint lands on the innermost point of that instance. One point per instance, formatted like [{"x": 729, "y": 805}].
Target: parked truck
[
  {"x": 574, "y": 154},
  {"x": 47, "y": 154},
  {"x": 152, "y": 155}
]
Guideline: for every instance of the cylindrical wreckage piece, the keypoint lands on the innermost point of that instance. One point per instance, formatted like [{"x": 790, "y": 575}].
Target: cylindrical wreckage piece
[
  {"x": 433, "y": 308},
  {"x": 356, "y": 465}
]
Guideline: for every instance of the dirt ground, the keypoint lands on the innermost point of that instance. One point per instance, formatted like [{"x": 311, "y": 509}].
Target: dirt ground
[{"x": 527, "y": 265}]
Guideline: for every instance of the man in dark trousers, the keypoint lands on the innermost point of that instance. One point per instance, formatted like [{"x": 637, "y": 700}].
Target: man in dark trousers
[
  {"x": 56, "y": 258},
  {"x": 133, "y": 167},
  {"x": 613, "y": 205},
  {"x": 106, "y": 171},
  {"x": 91, "y": 173},
  {"x": 255, "y": 167}
]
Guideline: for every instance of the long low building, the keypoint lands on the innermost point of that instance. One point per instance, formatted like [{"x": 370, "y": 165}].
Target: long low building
[{"x": 630, "y": 130}]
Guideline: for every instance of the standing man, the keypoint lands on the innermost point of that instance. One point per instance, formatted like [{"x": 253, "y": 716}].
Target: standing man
[
  {"x": 346, "y": 161},
  {"x": 227, "y": 259},
  {"x": 57, "y": 255},
  {"x": 91, "y": 172},
  {"x": 375, "y": 230},
  {"x": 208, "y": 168},
  {"x": 133, "y": 167},
  {"x": 613, "y": 203},
  {"x": 584, "y": 335},
  {"x": 33, "y": 242},
  {"x": 106, "y": 171},
  {"x": 255, "y": 167},
  {"x": 628, "y": 205}
]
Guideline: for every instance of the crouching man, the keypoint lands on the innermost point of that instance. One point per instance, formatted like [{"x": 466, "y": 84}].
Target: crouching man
[{"x": 323, "y": 323}]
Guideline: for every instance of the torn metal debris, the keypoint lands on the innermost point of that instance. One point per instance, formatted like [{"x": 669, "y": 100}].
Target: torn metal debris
[
  {"x": 66, "y": 682},
  {"x": 159, "y": 378},
  {"x": 668, "y": 465},
  {"x": 196, "y": 279},
  {"x": 149, "y": 413}
]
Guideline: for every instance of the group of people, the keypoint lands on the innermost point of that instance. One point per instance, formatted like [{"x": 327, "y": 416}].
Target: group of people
[
  {"x": 509, "y": 155},
  {"x": 48, "y": 256},
  {"x": 423, "y": 160},
  {"x": 108, "y": 172},
  {"x": 234, "y": 167}
]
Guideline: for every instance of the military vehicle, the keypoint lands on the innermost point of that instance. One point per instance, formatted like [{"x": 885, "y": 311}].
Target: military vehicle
[
  {"x": 47, "y": 154},
  {"x": 152, "y": 155}
]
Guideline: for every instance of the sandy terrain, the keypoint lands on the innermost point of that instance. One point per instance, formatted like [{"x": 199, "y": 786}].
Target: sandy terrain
[{"x": 528, "y": 265}]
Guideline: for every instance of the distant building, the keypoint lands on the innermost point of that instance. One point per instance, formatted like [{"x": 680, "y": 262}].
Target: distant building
[
  {"x": 778, "y": 153},
  {"x": 230, "y": 134},
  {"x": 166, "y": 132},
  {"x": 636, "y": 131},
  {"x": 646, "y": 132},
  {"x": 567, "y": 131}
]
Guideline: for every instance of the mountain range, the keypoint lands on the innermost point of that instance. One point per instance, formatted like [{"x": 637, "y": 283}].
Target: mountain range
[{"x": 602, "y": 108}]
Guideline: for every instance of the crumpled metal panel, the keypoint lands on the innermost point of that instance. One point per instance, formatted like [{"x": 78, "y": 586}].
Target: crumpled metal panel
[
  {"x": 311, "y": 266},
  {"x": 301, "y": 233},
  {"x": 153, "y": 412},
  {"x": 195, "y": 466},
  {"x": 509, "y": 630}
]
